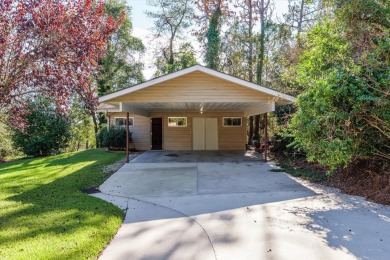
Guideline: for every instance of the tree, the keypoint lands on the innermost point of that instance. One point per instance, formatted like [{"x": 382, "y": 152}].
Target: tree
[
  {"x": 263, "y": 10},
  {"x": 344, "y": 114},
  {"x": 303, "y": 14},
  {"x": 213, "y": 40},
  {"x": 46, "y": 132},
  {"x": 172, "y": 17},
  {"x": 247, "y": 14},
  {"x": 119, "y": 67},
  {"x": 212, "y": 12},
  {"x": 81, "y": 129},
  {"x": 6, "y": 147},
  {"x": 50, "y": 48},
  {"x": 184, "y": 57},
  {"x": 234, "y": 51}
]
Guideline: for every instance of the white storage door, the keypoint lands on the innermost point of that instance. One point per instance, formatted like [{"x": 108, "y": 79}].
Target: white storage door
[
  {"x": 198, "y": 133},
  {"x": 211, "y": 127},
  {"x": 205, "y": 133}
]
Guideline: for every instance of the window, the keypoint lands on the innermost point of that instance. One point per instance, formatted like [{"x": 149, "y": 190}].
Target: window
[
  {"x": 232, "y": 121},
  {"x": 121, "y": 121},
  {"x": 177, "y": 121}
]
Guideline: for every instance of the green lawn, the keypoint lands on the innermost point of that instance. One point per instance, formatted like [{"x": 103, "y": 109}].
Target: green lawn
[{"x": 43, "y": 213}]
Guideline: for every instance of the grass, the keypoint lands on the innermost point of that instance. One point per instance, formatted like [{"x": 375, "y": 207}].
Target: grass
[{"x": 44, "y": 214}]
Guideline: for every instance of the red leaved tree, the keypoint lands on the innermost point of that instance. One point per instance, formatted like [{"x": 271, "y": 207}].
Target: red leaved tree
[{"x": 50, "y": 48}]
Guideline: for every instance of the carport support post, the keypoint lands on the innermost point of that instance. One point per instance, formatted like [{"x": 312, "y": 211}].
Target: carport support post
[
  {"x": 127, "y": 137},
  {"x": 265, "y": 136}
]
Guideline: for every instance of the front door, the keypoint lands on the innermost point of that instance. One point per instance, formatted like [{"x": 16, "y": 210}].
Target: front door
[
  {"x": 157, "y": 133},
  {"x": 205, "y": 133}
]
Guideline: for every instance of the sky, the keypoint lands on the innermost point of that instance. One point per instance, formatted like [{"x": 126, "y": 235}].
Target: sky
[{"x": 142, "y": 25}]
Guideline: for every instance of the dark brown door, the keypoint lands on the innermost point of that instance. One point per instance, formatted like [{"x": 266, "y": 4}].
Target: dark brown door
[{"x": 157, "y": 133}]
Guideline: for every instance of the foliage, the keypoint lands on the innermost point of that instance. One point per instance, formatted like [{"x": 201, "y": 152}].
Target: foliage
[
  {"x": 234, "y": 53},
  {"x": 172, "y": 18},
  {"x": 213, "y": 40},
  {"x": 345, "y": 112},
  {"x": 120, "y": 67},
  {"x": 113, "y": 137},
  {"x": 6, "y": 147},
  {"x": 82, "y": 135},
  {"x": 50, "y": 48},
  {"x": 303, "y": 14},
  {"x": 183, "y": 58},
  {"x": 283, "y": 141},
  {"x": 44, "y": 214},
  {"x": 46, "y": 131},
  {"x": 304, "y": 171}
]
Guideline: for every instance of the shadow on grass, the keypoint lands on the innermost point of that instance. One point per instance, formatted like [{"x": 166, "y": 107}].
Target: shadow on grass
[{"x": 45, "y": 203}]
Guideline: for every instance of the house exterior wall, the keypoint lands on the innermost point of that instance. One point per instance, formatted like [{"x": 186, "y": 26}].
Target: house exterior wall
[
  {"x": 180, "y": 138},
  {"x": 193, "y": 87},
  {"x": 140, "y": 130}
]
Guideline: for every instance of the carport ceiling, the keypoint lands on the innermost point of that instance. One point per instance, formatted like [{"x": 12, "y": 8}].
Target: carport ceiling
[{"x": 195, "y": 106}]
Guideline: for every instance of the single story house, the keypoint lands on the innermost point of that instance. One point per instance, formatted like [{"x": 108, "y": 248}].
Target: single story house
[{"x": 196, "y": 108}]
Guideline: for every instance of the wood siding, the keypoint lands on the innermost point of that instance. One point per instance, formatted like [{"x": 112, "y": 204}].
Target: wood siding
[
  {"x": 140, "y": 130},
  {"x": 180, "y": 138},
  {"x": 195, "y": 87}
]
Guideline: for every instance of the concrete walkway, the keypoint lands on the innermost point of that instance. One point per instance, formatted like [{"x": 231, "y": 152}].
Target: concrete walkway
[{"x": 237, "y": 210}]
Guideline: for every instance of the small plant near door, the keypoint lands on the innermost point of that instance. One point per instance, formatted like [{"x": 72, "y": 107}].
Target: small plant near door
[{"x": 256, "y": 141}]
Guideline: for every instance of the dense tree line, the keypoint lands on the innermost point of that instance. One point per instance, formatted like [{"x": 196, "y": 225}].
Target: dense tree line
[{"x": 332, "y": 54}]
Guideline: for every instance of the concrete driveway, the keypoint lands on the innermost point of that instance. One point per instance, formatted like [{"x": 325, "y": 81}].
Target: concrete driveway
[{"x": 216, "y": 205}]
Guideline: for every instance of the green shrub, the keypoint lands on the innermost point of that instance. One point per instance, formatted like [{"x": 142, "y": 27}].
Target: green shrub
[
  {"x": 46, "y": 132},
  {"x": 283, "y": 141},
  {"x": 344, "y": 114},
  {"x": 113, "y": 137}
]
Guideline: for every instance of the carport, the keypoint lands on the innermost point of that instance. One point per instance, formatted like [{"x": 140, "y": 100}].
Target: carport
[{"x": 196, "y": 108}]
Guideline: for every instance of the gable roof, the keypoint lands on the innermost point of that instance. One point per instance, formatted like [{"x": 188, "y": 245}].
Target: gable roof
[{"x": 194, "y": 68}]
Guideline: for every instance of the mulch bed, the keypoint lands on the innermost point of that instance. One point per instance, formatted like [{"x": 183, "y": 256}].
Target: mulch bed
[
  {"x": 369, "y": 179},
  {"x": 364, "y": 178}
]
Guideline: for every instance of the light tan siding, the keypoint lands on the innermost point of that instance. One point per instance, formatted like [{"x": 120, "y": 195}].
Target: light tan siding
[
  {"x": 180, "y": 138},
  {"x": 175, "y": 138},
  {"x": 194, "y": 87},
  {"x": 231, "y": 138},
  {"x": 140, "y": 130}
]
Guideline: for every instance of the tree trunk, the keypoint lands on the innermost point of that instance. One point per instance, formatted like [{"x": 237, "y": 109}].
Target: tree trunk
[
  {"x": 250, "y": 133},
  {"x": 250, "y": 56},
  {"x": 257, "y": 126},
  {"x": 95, "y": 128},
  {"x": 260, "y": 59},
  {"x": 300, "y": 17}
]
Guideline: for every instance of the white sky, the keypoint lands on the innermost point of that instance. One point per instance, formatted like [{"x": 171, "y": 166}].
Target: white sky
[{"x": 142, "y": 25}]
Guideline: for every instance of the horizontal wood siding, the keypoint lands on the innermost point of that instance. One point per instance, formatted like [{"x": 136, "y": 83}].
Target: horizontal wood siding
[
  {"x": 180, "y": 138},
  {"x": 176, "y": 138},
  {"x": 140, "y": 130},
  {"x": 195, "y": 87},
  {"x": 231, "y": 138}
]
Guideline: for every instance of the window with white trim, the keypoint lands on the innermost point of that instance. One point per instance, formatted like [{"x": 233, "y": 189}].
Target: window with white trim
[
  {"x": 177, "y": 121},
  {"x": 121, "y": 121},
  {"x": 232, "y": 122}
]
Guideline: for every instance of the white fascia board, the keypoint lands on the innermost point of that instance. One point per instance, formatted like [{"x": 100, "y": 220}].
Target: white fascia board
[{"x": 274, "y": 93}]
